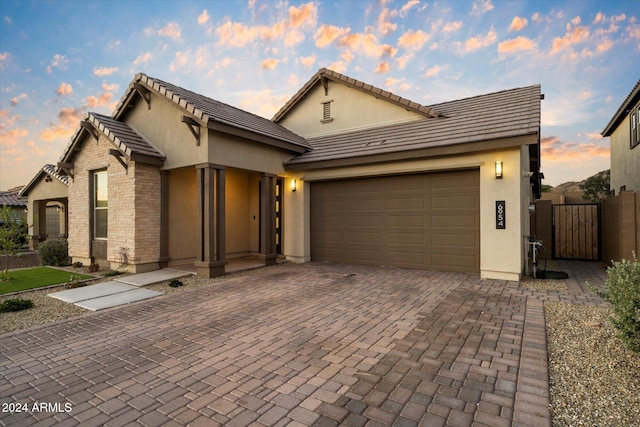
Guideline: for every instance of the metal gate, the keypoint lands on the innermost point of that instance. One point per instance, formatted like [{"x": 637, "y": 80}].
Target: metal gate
[{"x": 576, "y": 231}]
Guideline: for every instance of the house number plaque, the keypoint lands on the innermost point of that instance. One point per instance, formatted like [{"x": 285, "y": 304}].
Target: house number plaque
[{"x": 501, "y": 212}]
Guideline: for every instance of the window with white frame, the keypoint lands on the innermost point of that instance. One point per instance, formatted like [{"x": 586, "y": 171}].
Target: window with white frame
[{"x": 100, "y": 205}]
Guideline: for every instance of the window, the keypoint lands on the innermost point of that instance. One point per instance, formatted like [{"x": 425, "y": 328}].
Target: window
[
  {"x": 326, "y": 112},
  {"x": 100, "y": 205},
  {"x": 635, "y": 126}
]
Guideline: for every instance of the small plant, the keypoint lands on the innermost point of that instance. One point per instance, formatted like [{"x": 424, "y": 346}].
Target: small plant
[
  {"x": 175, "y": 283},
  {"x": 623, "y": 292},
  {"x": 93, "y": 267},
  {"x": 54, "y": 252},
  {"x": 15, "y": 304},
  {"x": 13, "y": 233},
  {"x": 76, "y": 264},
  {"x": 111, "y": 273},
  {"x": 123, "y": 256}
]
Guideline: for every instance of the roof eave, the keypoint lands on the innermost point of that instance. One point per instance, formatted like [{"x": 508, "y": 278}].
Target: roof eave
[
  {"x": 622, "y": 111},
  {"x": 233, "y": 129}
]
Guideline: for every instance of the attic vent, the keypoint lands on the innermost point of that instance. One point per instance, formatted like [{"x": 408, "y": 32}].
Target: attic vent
[{"x": 326, "y": 112}]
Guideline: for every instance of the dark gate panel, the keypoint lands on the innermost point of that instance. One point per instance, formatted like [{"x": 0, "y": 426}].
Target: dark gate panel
[{"x": 576, "y": 230}]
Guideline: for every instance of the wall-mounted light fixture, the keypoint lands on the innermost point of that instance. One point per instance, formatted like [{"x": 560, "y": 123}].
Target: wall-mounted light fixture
[
  {"x": 499, "y": 169},
  {"x": 293, "y": 185}
]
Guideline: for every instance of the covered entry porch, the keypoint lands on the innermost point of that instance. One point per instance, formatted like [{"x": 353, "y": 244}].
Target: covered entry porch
[{"x": 218, "y": 219}]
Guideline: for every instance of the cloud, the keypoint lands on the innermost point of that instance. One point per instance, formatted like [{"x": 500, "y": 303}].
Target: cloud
[
  {"x": 554, "y": 149},
  {"x": 327, "y": 34},
  {"x": 269, "y": 63},
  {"x": 518, "y": 44},
  {"x": 17, "y": 99},
  {"x": 293, "y": 38},
  {"x": 64, "y": 89},
  {"x": 479, "y": 42},
  {"x": 572, "y": 36},
  {"x": 305, "y": 16},
  {"x": 109, "y": 87},
  {"x": 171, "y": 30},
  {"x": 385, "y": 26},
  {"x": 604, "y": 46},
  {"x": 104, "y": 71},
  {"x": 263, "y": 103},
  {"x": 68, "y": 119},
  {"x": 451, "y": 27},
  {"x": 142, "y": 59},
  {"x": 12, "y": 136},
  {"x": 58, "y": 61},
  {"x": 4, "y": 58},
  {"x": 338, "y": 66},
  {"x": 518, "y": 24},
  {"x": 382, "y": 67},
  {"x": 600, "y": 17},
  {"x": 307, "y": 61},
  {"x": 481, "y": 6},
  {"x": 413, "y": 39},
  {"x": 434, "y": 71},
  {"x": 203, "y": 18},
  {"x": 404, "y": 60},
  {"x": 404, "y": 10},
  {"x": 367, "y": 44}
]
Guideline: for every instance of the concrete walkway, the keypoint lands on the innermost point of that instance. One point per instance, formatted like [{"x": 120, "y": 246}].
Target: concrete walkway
[
  {"x": 297, "y": 345},
  {"x": 119, "y": 291}
]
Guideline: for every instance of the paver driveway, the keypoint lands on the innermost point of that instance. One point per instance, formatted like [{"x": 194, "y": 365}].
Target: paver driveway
[{"x": 312, "y": 344}]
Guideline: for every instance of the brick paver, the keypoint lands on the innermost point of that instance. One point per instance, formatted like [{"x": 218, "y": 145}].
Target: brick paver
[{"x": 313, "y": 344}]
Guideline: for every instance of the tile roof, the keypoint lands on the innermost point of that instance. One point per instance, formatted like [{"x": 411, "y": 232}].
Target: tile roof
[
  {"x": 211, "y": 111},
  {"x": 621, "y": 113},
  {"x": 505, "y": 114},
  {"x": 122, "y": 136},
  {"x": 11, "y": 199},
  {"x": 325, "y": 73},
  {"x": 47, "y": 169}
]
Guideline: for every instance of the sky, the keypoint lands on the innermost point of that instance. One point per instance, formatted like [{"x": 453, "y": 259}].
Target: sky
[{"x": 62, "y": 59}]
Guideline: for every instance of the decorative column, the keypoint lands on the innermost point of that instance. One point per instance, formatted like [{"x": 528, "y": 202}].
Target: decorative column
[
  {"x": 211, "y": 260},
  {"x": 267, "y": 219},
  {"x": 164, "y": 219}
]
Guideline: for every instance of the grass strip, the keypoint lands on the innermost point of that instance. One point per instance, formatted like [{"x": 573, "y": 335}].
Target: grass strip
[{"x": 37, "y": 277}]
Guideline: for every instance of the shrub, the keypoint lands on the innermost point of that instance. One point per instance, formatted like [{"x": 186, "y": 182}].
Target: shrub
[
  {"x": 93, "y": 267},
  {"x": 15, "y": 304},
  {"x": 175, "y": 283},
  {"x": 623, "y": 292},
  {"x": 54, "y": 252},
  {"x": 111, "y": 273},
  {"x": 76, "y": 264}
]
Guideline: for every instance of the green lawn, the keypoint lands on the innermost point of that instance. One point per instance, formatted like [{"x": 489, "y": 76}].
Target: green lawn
[{"x": 37, "y": 277}]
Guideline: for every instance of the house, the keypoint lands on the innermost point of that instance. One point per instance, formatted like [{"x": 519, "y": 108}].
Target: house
[
  {"x": 10, "y": 198},
  {"x": 47, "y": 205},
  {"x": 344, "y": 172},
  {"x": 623, "y": 131}
]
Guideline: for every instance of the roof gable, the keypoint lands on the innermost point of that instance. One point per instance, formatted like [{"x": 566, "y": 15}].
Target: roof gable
[
  {"x": 324, "y": 75},
  {"x": 469, "y": 125},
  {"x": 215, "y": 114},
  {"x": 49, "y": 170},
  {"x": 621, "y": 113}
]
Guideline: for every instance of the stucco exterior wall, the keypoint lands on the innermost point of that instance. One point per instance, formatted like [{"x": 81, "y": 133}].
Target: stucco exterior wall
[
  {"x": 183, "y": 244},
  {"x": 625, "y": 161},
  {"x": 234, "y": 152},
  {"x": 351, "y": 109},
  {"x": 501, "y": 251}
]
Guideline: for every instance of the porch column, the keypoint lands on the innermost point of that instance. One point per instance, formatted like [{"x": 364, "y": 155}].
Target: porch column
[
  {"x": 164, "y": 219},
  {"x": 211, "y": 220},
  {"x": 267, "y": 219}
]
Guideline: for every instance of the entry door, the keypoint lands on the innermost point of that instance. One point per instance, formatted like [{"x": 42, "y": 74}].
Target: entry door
[{"x": 278, "y": 216}]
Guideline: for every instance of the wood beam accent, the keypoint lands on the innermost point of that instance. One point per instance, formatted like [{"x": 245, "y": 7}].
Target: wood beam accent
[
  {"x": 144, "y": 94},
  {"x": 325, "y": 85},
  {"x": 194, "y": 127},
  {"x": 89, "y": 128},
  {"x": 118, "y": 155},
  {"x": 67, "y": 168}
]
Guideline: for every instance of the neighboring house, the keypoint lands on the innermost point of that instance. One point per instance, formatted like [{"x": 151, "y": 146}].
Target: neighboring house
[
  {"x": 47, "y": 213},
  {"x": 623, "y": 131},
  {"x": 344, "y": 172},
  {"x": 10, "y": 198}
]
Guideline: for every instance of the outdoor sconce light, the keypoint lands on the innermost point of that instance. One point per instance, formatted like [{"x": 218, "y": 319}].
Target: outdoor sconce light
[
  {"x": 293, "y": 185},
  {"x": 499, "y": 169}
]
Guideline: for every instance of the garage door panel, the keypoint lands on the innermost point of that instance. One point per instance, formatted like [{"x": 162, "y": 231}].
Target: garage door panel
[{"x": 428, "y": 221}]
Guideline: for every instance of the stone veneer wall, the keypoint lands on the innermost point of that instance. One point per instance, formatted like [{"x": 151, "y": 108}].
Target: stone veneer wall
[{"x": 134, "y": 207}]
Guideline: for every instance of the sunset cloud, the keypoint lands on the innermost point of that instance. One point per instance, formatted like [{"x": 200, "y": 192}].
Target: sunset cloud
[
  {"x": 382, "y": 67},
  {"x": 327, "y": 34},
  {"x": 304, "y": 16},
  {"x": 269, "y": 63},
  {"x": 203, "y": 18},
  {"x": 413, "y": 39},
  {"x": 518, "y": 24},
  {"x": 58, "y": 61},
  {"x": 571, "y": 37},
  {"x": 4, "y": 57},
  {"x": 367, "y": 44},
  {"x": 17, "y": 99},
  {"x": 434, "y": 71},
  {"x": 404, "y": 10},
  {"x": 13, "y": 136},
  {"x": 68, "y": 120},
  {"x": 481, "y": 6},
  {"x": 518, "y": 44},
  {"x": 142, "y": 59},
  {"x": 554, "y": 149},
  {"x": 307, "y": 61},
  {"x": 104, "y": 71},
  {"x": 480, "y": 41},
  {"x": 64, "y": 89},
  {"x": 451, "y": 27},
  {"x": 385, "y": 26}
]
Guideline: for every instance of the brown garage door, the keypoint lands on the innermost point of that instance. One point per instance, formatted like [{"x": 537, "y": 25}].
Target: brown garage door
[{"x": 427, "y": 221}]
